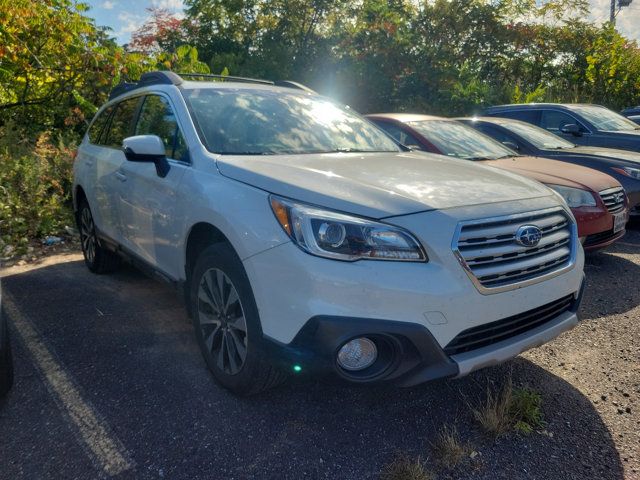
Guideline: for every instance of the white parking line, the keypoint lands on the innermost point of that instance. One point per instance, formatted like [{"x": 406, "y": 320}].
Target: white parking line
[{"x": 106, "y": 451}]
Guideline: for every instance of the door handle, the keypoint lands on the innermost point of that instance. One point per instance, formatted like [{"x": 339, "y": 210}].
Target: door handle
[{"x": 121, "y": 176}]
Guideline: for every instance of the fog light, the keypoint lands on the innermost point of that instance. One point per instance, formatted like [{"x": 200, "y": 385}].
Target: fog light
[{"x": 357, "y": 354}]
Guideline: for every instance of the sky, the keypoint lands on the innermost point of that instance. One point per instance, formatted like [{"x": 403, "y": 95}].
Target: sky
[{"x": 125, "y": 16}]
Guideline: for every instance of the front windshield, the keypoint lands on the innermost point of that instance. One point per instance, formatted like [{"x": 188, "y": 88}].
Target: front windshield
[
  {"x": 604, "y": 119},
  {"x": 538, "y": 137},
  {"x": 273, "y": 122},
  {"x": 458, "y": 140}
]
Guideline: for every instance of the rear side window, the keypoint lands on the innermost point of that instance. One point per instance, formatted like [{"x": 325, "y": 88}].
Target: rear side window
[
  {"x": 157, "y": 118},
  {"x": 121, "y": 123},
  {"x": 98, "y": 125},
  {"x": 529, "y": 116}
]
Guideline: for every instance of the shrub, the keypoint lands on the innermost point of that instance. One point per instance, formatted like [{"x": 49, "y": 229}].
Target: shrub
[{"x": 35, "y": 186}]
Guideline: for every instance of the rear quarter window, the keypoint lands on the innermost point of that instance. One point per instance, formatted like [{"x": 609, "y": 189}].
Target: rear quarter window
[
  {"x": 97, "y": 127},
  {"x": 121, "y": 124}
]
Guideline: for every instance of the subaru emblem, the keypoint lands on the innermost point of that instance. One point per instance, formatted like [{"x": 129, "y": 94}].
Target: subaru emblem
[{"x": 528, "y": 235}]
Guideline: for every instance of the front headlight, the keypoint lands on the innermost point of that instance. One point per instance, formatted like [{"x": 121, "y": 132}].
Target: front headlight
[
  {"x": 335, "y": 235},
  {"x": 628, "y": 171},
  {"x": 575, "y": 197}
]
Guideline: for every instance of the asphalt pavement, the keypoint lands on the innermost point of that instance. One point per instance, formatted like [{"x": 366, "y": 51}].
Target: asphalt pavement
[{"x": 109, "y": 383}]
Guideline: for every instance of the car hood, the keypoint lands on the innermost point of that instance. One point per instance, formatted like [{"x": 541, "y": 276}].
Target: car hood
[
  {"x": 556, "y": 172},
  {"x": 379, "y": 185},
  {"x": 632, "y": 134},
  {"x": 613, "y": 153}
]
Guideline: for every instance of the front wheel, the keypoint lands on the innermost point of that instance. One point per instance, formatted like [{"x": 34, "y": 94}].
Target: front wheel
[
  {"x": 227, "y": 324},
  {"x": 97, "y": 258}
]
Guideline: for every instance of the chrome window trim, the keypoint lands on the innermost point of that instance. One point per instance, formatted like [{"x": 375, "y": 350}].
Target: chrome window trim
[{"x": 524, "y": 283}]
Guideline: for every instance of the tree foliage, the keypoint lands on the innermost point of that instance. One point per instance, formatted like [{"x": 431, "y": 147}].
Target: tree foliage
[{"x": 446, "y": 57}]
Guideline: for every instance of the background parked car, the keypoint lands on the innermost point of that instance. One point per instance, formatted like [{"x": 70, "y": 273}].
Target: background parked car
[
  {"x": 6, "y": 364},
  {"x": 527, "y": 139},
  {"x": 597, "y": 200},
  {"x": 584, "y": 124},
  {"x": 631, "y": 111}
]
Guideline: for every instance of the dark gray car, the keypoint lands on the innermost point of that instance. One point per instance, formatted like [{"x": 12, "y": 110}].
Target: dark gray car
[
  {"x": 631, "y": 112},
  {"x": 6, "y": 365},
  {"x": 527, "y": 139},
  {"x": 584, "y": 124}
]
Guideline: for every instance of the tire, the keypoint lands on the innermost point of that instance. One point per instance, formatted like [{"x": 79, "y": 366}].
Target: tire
[
  {"x": 97, "y": 258},
  {"x": 227, "y": 324},
  {"x": 6, "y": 361}
]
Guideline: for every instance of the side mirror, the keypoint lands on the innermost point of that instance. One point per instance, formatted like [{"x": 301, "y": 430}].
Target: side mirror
[
  {"x": 571, "y": 129},
  {"x": 147, "y": 148},
  {"x": 511, "y": 145}
]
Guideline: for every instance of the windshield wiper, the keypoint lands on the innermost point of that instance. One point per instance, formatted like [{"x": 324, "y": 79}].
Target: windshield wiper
[
  {"x": 357, "y": 150},
  {"x": 247, "y": 153}
]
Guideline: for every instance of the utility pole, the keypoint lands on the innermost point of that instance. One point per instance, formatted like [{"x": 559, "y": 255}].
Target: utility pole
[{"x": 620, "y": 4}]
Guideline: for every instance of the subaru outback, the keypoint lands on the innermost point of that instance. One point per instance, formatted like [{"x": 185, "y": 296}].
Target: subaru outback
[{"x": 305, "y": 240}]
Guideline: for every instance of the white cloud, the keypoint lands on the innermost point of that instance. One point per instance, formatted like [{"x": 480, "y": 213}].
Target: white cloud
[
  {"x": 108, "y": 5},
  {"x": 129, "y": 23},
  {"x": 627, "y": 20},
  {"x": 169, "y": 4}
]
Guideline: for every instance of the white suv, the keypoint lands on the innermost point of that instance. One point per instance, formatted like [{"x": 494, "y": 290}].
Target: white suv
[{"x": 305, "y": 240}]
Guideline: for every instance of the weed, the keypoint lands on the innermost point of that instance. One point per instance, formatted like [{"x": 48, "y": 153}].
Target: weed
[
  {"x": 493, "y": 416},
  {"x": 525, "y": 410},
  {"x": 510, "y": 408},
  {"x": 449, "y": 448},
  {"x": 404, "y": 467}
]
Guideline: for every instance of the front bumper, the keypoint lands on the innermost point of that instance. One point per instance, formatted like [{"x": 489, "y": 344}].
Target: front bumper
[
  {"x": 408, "y": 353},
  {"x": 297, "y": 293},
  {"x": 595, "y": 225}
]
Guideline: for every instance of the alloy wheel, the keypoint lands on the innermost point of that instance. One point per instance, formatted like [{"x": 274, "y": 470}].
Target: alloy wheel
[
  {"x": 222, "y": 321},
  {"x": 88, "y": 235}
]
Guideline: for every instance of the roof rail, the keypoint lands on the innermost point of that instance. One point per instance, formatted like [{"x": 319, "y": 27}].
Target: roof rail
[
  {"x": 227, "y": 78},
  {"x": 172, "y": 78},
  {"x": 146, "y": 79},
  {"x": 292, "y": 84}
]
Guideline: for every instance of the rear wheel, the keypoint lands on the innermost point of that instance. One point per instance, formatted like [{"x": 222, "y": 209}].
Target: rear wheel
[
  {"x": 6, "y": 364},
  {"x": 227, "y": 325},
  {"x": 97, "y": 258}
]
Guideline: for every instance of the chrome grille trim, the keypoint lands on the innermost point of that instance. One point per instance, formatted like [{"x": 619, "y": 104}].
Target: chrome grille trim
[
  {"x": 488, "y": 252},
  {"x": 613, "y": 200}
]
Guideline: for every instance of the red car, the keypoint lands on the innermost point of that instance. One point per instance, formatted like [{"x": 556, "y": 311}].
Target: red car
[{"x": 596, "y": 199}]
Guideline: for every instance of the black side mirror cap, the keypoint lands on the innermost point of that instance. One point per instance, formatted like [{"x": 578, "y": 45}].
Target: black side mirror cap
[{"x": 572, "y": 129}]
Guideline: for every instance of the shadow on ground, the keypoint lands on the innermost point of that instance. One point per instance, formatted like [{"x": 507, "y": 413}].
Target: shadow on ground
[{"x": 126, "y": 342}]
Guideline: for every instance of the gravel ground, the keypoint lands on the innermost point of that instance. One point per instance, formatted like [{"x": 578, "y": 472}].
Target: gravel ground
[{"x": 121, "y": 380}]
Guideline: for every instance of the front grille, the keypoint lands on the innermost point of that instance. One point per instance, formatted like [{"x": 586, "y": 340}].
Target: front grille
[
  {"x": 601, "y": 237},
  {"x": 613, "y": 199},
  {"x": 494, "y": 332},
  {"x": 492, "y": 257}
]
